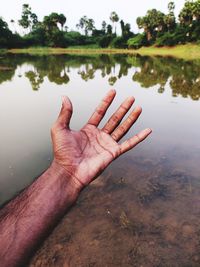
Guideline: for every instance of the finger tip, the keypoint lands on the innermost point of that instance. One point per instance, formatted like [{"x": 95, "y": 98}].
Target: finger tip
[
  {"x": 149, "y": 130},
  {"x": 66, "y": 100},
  {"x": 131, "y": 99},
  {"x": 112, "y": 91},
  {"x": 138, "y": 109}
]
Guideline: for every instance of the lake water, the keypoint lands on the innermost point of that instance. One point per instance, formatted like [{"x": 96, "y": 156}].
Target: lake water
[{"x": 144, "y": 210}]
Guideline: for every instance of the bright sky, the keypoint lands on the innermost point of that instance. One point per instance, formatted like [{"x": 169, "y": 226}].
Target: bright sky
[{"x": 98, "y": 10}]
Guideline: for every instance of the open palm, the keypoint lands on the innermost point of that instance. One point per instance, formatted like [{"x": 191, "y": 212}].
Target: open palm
[{"x": 86, "y": 153}]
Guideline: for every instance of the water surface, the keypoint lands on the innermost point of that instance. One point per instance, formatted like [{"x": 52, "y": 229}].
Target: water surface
[{"x": 145, "y": 208}]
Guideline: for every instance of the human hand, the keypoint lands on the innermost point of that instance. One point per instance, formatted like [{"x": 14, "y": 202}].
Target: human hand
[{"x": 86, "y": 153}]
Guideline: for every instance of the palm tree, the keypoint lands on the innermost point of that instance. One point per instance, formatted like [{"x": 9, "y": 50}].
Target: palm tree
[
  {"x": 28, "y": 18},
  {"x": 152, "y": 23},
  {"x": 81, "y": 24},
  {"x": 186, "y": 14},
  {"x": 103, "y": 26},
  {"x": 13, "y": 24},
  {"x": 62, "y": 20},
  {"x": 86, "y": 24},
  {"x": 169, "y": 19},
  {"x": 114, "y": 18}
]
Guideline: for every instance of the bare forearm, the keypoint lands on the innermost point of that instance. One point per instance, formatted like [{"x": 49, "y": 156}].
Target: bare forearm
[{"x": 30, "y": 216}]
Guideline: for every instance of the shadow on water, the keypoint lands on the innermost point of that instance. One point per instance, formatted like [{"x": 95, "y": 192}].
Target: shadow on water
[{"x": 183, "y": 76}]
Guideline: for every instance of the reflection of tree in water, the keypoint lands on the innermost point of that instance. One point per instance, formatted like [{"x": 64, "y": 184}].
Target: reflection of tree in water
[
  {"x": 48, "y": 67},
  {"x": 187, "y": 83},
  {"x": 152, "y": 73},
  {"x": 57, "y": 68},
  {"x": 35, "y": 79},
  {"x": 7, "y": 68},
  {"x": 112, "y": 80},
  {"x": 107, "y": 66},
  {"x": 56, "y": 71},
  {"x": 186, "y": 88},
  {"x": 6, "y": 74},
  {"x": 59, "y": 79},
  {"x": 184, "y": 76},
  {"x": 123, "y": 70},
  {"x": 87, "y": 73}
]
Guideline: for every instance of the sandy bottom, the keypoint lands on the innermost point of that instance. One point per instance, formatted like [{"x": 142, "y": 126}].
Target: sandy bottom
[{"x": 138, "y": 213}]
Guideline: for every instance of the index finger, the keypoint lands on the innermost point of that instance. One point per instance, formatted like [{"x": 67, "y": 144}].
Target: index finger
[{"x": 100, "y": 111}]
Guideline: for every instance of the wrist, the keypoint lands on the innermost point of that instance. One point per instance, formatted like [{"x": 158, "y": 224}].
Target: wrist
[{"x": 63, "y": 173}]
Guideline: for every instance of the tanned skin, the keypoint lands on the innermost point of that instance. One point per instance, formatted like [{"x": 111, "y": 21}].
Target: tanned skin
[{"x": 79, "y": 157}]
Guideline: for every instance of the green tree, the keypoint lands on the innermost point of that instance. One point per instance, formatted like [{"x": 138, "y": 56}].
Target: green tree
[
  {"x": 13, "y": 25},
  {"x": 104, "y": 24},
  {"x": 62, "y": 20},
  {"x": 105, "y": 41},
  {"x": 189, "y": 18},
  {"x": 152, "y": 23},
  {"x": 6, "y": 35},
  {"x": 28, "y": 19},
  {"x": 138, "y": 41},
  {"x": 109, "y": 29},
  {"x": 114, "y": 18},
  {"x": 190, "y": 12},
  {"x": 196, "y": 10},
  {"x": 126, "y": 30},
  {"x": 53, "y": 35},
  {"x": 53, "y": 20},
  {"x": 187, "y": 12},
  {"x": 122, "y": 27},
  {"x": 169, "y": 19},
  {"x": 90, "y": 25},
  {"x": 86, "y": 24}
]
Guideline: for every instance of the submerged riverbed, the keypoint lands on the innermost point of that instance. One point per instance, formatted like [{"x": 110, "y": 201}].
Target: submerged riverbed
[{"x": 144, "y": 210}]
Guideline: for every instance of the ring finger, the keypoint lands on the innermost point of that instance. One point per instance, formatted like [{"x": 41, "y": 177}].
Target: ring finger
[
  {"x": 123, "y": 128},
  {"x": 116, "y": 118}
]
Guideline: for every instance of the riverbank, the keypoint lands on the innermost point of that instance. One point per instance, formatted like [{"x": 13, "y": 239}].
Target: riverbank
[
  {"x": 188, "y": 51},
  {"x": 57, "y": 51}
]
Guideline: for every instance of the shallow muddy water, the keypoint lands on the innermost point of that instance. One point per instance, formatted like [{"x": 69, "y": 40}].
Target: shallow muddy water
[{"x": 144, "y": 210}]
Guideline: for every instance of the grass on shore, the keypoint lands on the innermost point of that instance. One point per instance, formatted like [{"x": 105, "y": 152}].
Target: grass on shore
[
  {"x": 70, "y": 50},
  {"x": 188, "y": 51}
]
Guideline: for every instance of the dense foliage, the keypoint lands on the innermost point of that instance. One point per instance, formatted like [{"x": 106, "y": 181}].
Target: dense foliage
[
  {"x": 165, "y": 30},
  {"x": 157, "y": 29}
]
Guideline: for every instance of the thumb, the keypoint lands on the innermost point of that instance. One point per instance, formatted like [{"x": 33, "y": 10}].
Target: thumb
[{"x": 65, "y": 113}]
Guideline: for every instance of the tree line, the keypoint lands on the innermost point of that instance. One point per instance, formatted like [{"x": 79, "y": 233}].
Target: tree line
[{"x": 156, "y": 28}]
